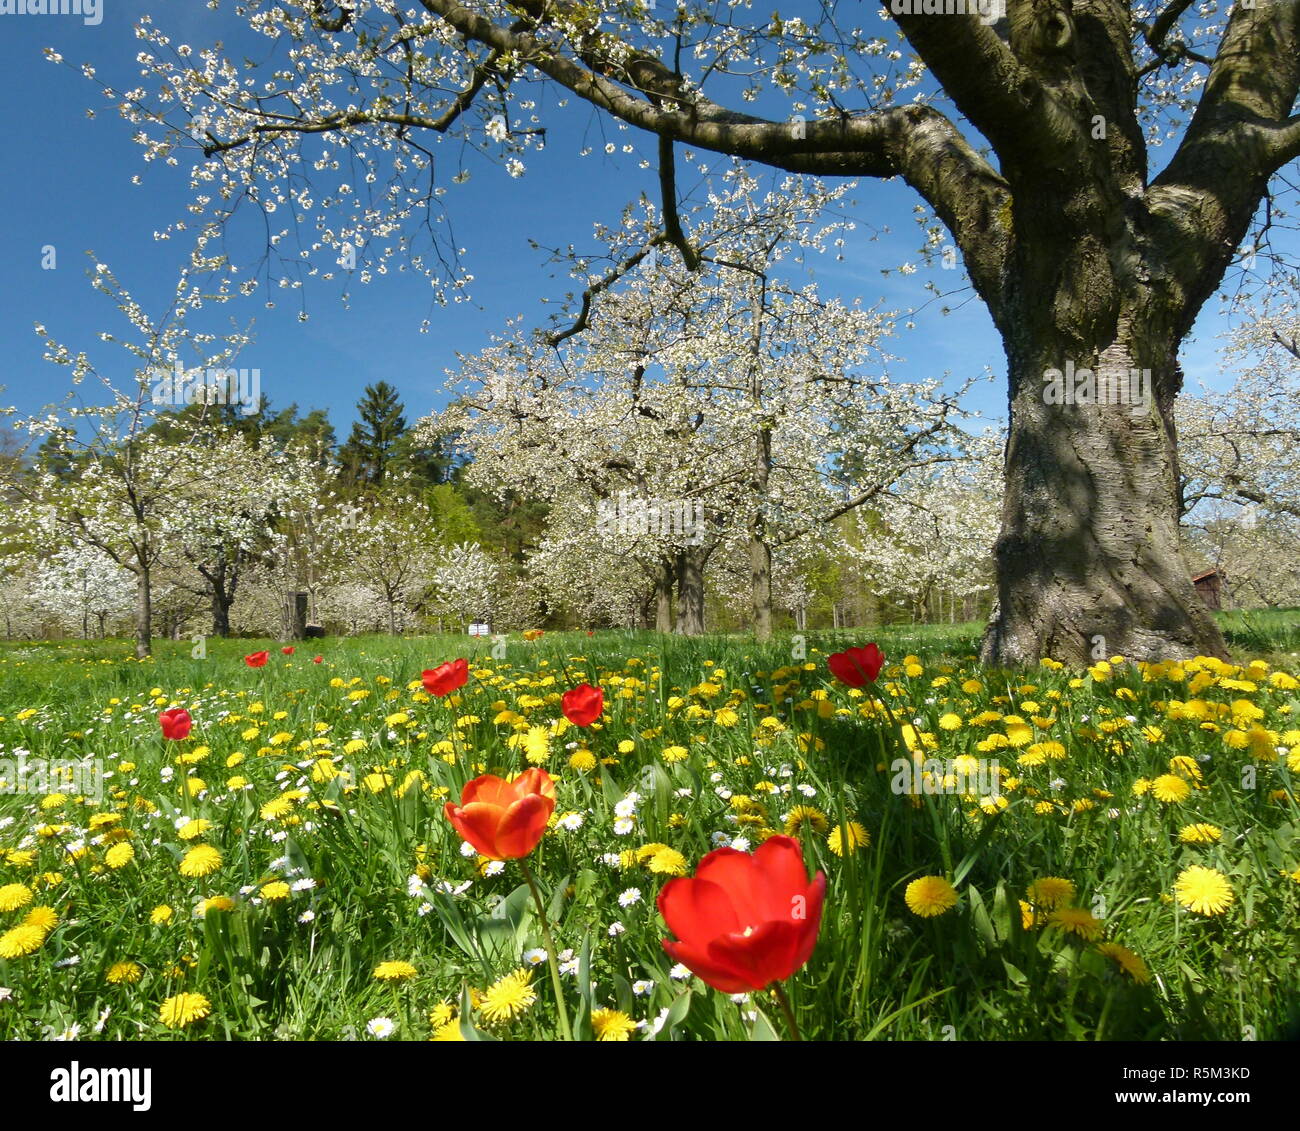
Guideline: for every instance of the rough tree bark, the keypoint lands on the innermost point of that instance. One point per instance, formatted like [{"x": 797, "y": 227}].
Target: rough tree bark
[
  {"x": 760, "y": 576},
  {"x": 222, "y": 577},
  {"x": 691, "y": 561},
  {"x": 143, "y": 612},
  {"x": 663, "y": 579}
]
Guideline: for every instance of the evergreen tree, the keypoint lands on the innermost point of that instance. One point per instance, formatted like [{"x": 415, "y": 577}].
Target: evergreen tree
[{"x": 375, "y": 437}]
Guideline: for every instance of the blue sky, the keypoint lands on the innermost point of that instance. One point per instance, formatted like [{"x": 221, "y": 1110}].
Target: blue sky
[{"x": 68, "y": 185}]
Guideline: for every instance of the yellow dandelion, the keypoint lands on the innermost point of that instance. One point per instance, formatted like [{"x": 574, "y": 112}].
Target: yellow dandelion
[
  {"x": 448, "y": 1031},
  {"x": 14, "y": 896},
  {"x": 1203, "y": 890},
  {"x": 1126, "y": 960},
  {"x": 394, "y": 971},
  {"x": 20, "y": 941},
  {"x": 46, "y": 918},
  {"x": 668, "y": 862},
  {"x": 276, "y": 808},
  {"x": 1075, "y": 921},
  {"x": 123, "y": 973},
  {"x": 1170, "y": 789},
  {"x": 201, "y": 860},
  {"x": 851, "y": 835},
  {"x": 194, "y": 829},
  {"x": 508, "y": 997},
  {"x": 1200, "y": 833},
  {"x": 1050, "y": 892},
  {"x": 161, "y": 915},
  {"x": 612, "y": 1025},
  {"x": 930, "y": 896},
  {"x": 275, "y": 890},
  {"x": 582, "y": 761},
  {"x": 184, "y": 1009},
  {"x": 120, "y": 855},
  {"x": 805, "y": 816}
]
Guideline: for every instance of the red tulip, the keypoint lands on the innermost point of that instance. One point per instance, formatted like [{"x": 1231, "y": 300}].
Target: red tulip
[
  {"x": 287, "y": 649},
  {"x": 176, "y": 723},
  {"x": 256, "y": 660},
  {"x": 445, "y": 678},
  {"x": 856, "y": 666},
  {"x": 317, "y": 659},
  {"x": 504, "y": 820},
  {"x": 744, "y": 922},
  {"x": 582, "y": 706}
]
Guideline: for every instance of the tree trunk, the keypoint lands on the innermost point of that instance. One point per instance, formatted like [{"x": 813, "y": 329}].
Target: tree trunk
[
  {"x": 222, "y": 578},
  {"x": 293, "y": 615},
  {"x": 1088, "y": 558},
  {"x": 760, "y": 574},
  {"x": 143, "y": 613},
  {"x": 664, "y": 597},
  {"x": 690, "y": 591},
  {"x": 220, "y": 612}
]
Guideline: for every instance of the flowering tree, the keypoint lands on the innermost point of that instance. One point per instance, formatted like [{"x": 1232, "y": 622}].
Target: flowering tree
[
  {"x": 304, "y": 543},
  {"x": 464, "y": 580},
  {"x": 21, "y": 615},
  {"x": 596, "y": 574},
  {"x": 78, "y": 586},
  {"x": 932, "y": 533},
  {"x": 1259, "y": 559},
  {"x": 730, "y": 404},
  {"x": 388, "y": 548},
  {"x": 1238, "y": 444},
  {"x": 119, "y": 489}
]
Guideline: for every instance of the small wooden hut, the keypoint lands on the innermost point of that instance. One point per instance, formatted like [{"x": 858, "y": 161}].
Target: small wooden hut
[{"x": 1209, "y": 584}]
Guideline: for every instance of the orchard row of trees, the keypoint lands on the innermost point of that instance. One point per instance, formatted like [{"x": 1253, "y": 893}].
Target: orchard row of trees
[
  {"x": 715, "y": 445},
  {"x": 208, "y": 518}
]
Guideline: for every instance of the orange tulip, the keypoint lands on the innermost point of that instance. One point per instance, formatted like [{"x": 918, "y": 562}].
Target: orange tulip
[{"x": 502, "y": 819}]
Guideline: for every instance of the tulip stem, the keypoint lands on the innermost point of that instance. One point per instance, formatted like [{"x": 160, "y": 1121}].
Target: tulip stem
[
  {"x": 779, "y": 990},
  {"x": 551, "y": 953}
]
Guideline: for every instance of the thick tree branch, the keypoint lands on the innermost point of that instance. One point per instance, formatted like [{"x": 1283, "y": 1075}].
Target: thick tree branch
[
  {"x": 1241, "y": 133},
  {"x": 1003, "y": 99}
]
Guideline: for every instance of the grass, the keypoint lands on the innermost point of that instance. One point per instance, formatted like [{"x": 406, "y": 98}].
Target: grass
[{"x": 337, "y": 773}]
